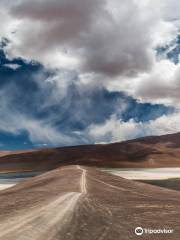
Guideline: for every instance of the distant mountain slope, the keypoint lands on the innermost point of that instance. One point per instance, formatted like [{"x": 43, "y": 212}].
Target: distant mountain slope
[
  {"x": 154, "y": 151},
  {"x": 78, "y": 203}
]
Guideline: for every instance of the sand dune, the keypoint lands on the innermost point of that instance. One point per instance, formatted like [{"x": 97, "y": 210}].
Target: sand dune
[{"x": 77, "y": 203}]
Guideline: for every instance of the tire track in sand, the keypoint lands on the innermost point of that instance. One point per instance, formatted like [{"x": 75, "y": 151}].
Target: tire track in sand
[
  {"x": 38, "y": 223},
  {"x": 83, "y": 180}
]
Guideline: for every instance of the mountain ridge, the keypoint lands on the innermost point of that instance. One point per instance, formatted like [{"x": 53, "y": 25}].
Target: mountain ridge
[{"x": 151, "y": 151}]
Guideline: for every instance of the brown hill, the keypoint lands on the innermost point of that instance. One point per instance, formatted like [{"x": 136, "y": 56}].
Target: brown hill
[
  {"x": 78, "y": 203},
  {"x": 154, "y": 151}
]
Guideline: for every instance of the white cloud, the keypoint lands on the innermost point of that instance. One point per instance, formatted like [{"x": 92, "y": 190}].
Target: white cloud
[
  {"x": 105, "y": 37},
  {"x": 39, "y": 131},
  {"x": 12, "y": 66},
  {"x": 109, "y": 40},
  {"x": 161, "y": 85},
  {"x": 170, "y": 8},
  {"x": 114, "y": 130},
  {"x": 110, "y": 43}
]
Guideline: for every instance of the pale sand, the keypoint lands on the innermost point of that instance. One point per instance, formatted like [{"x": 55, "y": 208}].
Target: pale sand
[
  {"x": 78, "y": 203},
  {"x": 40, "y": 223},
  {"x": 83, "y": 180},
  {"x": 43, "y": 222}
]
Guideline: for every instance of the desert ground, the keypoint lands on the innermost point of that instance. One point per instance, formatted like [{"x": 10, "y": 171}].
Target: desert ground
[
  {"x": 92, "y": 192},
  {"x": 77, "y": 203}
]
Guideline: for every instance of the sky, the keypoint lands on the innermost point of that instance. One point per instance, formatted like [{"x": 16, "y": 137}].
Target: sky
[{"x": 87, "y": 71}]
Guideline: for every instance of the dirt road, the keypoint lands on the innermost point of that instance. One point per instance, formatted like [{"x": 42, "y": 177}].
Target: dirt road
[
  {"x": 78, "y": 203},
  {"x": 83, "y": 180}
]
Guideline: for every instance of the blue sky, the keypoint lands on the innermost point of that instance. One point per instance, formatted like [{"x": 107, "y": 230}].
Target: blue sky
[
  {"x": 28, "y": 93},
  {"x": 96, "y": 77}
]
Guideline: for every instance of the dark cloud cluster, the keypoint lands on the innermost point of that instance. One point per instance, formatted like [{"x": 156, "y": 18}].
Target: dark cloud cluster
[
  {"x": 105, "y": 37},
  {"x": 86, "y": 69},
  {"x": 34, "y": 110}
]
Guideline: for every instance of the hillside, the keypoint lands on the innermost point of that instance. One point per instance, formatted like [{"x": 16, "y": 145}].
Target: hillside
[{"x": 154, "y": 151}]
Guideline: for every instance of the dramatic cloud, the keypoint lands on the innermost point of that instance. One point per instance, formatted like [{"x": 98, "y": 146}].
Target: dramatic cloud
[
  {"x": 170, "y": 9},
  {"x": 41, "y": 106},
  {"x": 115, "y": 129},
  {"x": 88, "y": 71},
  {"x": 110, "y": 40},
  {"x": 104, "y": 37},
  {"x": 161, "y": 85}
]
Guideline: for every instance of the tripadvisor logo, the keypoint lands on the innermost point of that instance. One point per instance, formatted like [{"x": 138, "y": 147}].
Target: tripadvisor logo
[{"x": 140, "y": 231}]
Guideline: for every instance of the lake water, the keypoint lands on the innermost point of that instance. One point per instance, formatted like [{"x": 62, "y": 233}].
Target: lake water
[
  {"x": 146, "y": 173},
  {"x": 8, "y": 180}
]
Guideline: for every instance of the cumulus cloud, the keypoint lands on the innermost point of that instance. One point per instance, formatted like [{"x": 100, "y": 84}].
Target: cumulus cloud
[
  {"x": 111, "y": 41},
  {"x": 7, "y": 25},
  {"x": 103, "y": 37},
  {"x": 97, "y": 49},
  {"x": 12, "y": 66},
  {"x": 56, "y": 26},
  {"x": 170, "y": 9},
  {"x": 52, "y": 107},
  {"x": 38, "y": 131},
  {"x": 14, "y": 121},
  {"x": 114, "y": 129},
  {"x": 160, "y": 85}
]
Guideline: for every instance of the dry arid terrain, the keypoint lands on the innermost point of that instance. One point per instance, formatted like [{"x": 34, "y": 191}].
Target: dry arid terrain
[
  {"x": 78, "y": 203},
  {"x": 73, "y": 199},
  {"x": 153, "y": 152}
]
